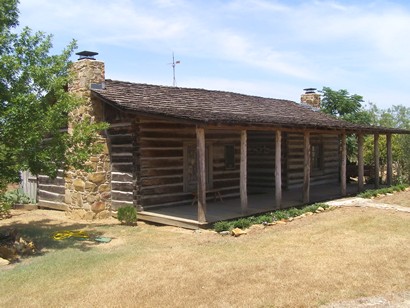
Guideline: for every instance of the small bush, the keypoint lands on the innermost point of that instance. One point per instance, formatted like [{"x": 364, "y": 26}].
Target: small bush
[
  {"x": 293, "y": 212},
  {"x": 223, "y": 226},
  {"x": 264, "y": 219},
  {"x": 127, "y": 215},
  {"x": 16, "y": 197},
  {"x": 242, "y": 223},
  {"x": 279, "y": 215},
  {"x": 382, "y": 191}
]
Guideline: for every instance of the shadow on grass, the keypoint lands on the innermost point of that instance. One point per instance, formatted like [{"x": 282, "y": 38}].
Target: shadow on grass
[{"x": 41, "y": 233}]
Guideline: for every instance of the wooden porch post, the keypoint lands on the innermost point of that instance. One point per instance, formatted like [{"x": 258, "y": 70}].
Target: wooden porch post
[
  {"x": 201, "y": 174},
  {"x": 389, "y": 160},
  {"x": 343, "y": 164},
  {"x": 243, "y": 172},
  {"x": 376, "y": 161},
  {"x": 306, "y": 177},
  {"x": 278, "y": 169},
  {"x": 360, "y": 162}
]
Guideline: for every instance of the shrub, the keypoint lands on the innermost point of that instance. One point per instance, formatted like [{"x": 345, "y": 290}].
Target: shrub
[
  {"x": 293, "y": 212},
  {"x": 382, "y": 191},
  {"x": 9, "y": 198},
  {"x": 242, "y": 223},
  {"x": 263, "y": 218},
  {"x": 16, "y": 197},
  {"x": 127, "y": 215},
  {"x": 279, "y": 215},
  {"x": 223, "y": 226}
]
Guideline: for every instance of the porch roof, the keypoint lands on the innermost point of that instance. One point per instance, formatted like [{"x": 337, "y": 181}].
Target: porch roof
[{"x": 210, "y": 107}]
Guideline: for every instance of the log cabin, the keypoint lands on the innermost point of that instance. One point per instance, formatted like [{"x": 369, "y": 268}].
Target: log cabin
[{"x": 190, "y": 157}]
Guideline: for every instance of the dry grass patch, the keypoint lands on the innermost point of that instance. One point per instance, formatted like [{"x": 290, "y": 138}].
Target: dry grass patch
[
  {"x": 398, "y": 198},
  {"x": 337, "y": 255}
]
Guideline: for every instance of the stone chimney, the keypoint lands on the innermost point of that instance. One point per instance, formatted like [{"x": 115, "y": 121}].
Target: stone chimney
[
  {"x": 88, "y": 192},
  {"x": 310, "y": 97}
]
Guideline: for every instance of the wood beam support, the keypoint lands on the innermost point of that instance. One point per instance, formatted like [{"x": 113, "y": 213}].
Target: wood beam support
[
  {"x": 278, "y": 169},
  {"x": 376, "y": 161},
  {"x": 360, "y": 161},
  {"x": 389, "y": 160},
  {"x": 343, "y": 163},
  {"x": 306, "y": 177},
  {"x": 201, "y": 173},
  {"x": 243, "y": 172}
]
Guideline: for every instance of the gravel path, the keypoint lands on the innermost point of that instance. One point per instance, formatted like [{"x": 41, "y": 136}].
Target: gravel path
[{"x": 361, "y": 202}]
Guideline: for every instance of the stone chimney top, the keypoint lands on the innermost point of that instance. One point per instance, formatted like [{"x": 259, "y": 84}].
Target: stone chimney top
[{"x": 310, "y": 97}]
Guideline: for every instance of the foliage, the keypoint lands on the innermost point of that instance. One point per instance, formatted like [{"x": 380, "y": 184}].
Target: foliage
[
  {"x": 5, "y": 206},
  {"x": 9, "y": 198},
  {"x": 244, "y": 223},
  {"x": 34, "y": 104},
  {"x": 16, "y": 197},
  {"x": 223, "y": 226},
  {"x": 382, "y": 191},
  {"x": 127, "y": 215},
  {"x": 344, "y": 105},
  {"x": 348, "y": 107},
  {"x": 396, "y": 116}
]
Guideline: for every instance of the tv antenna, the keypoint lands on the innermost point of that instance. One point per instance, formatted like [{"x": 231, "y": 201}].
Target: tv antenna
[{"x": 174, "y": 63}]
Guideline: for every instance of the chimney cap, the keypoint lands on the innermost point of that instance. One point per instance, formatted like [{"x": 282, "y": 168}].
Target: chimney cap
[
  {"x": 309, "y": 90},
  {"x": 86, "y": 55}
]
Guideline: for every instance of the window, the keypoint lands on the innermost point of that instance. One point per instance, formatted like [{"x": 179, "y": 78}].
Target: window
[
  {"x": 229, "y": 156},
  {"x": 316, "y": 151}
]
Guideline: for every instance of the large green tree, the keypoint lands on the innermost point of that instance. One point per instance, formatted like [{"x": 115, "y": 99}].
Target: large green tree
[
  {"x": 348, "y": 107},
  {"x": 34, "y": 103}
]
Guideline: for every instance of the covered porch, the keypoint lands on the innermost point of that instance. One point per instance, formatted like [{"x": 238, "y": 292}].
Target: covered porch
[
  {"x": 186, "y": 216},
  {"x": 206, "y": 210}
]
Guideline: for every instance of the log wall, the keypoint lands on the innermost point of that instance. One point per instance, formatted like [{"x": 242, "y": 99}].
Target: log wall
[
  {"x": 329, "y": 173},
  {"x": 122, "y": 136},
  {"x": 162, "y": 162},
  {"x": 261, "y": 161},
  {"x": 51, "y": 192}
]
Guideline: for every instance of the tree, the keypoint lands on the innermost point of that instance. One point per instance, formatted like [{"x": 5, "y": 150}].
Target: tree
[
  {"x": 34, "y": 103},
  {"x": 397, "y": 116},
  {"x": 348, "y": 107},
  {"x": 344, "y": 105}
]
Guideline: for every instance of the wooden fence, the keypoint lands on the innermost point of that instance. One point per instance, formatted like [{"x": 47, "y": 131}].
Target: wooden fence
[{"x": 29, "y": 185}]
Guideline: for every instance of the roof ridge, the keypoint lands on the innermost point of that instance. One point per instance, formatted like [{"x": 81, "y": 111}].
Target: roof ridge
[{"x": 201, "y": 89}]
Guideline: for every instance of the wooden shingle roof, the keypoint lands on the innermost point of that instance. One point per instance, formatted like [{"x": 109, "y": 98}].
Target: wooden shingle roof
[{"x": 211, "y": 107}]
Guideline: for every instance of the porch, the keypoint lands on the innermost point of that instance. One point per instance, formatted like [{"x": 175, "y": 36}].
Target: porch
[{"x": 186, "y": 216}]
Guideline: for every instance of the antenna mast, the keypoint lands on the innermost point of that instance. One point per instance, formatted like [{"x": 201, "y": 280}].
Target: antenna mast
[{"x": 174, "y": 63}]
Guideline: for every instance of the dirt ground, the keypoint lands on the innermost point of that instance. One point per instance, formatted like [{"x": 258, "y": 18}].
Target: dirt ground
[{"x": 57, "y": 220}]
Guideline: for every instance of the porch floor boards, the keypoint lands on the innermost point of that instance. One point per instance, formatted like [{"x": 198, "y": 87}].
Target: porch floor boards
[{"x": 186, "y": 215}]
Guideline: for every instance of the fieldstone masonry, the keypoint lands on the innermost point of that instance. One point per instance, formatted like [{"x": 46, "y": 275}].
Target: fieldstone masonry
[
  {"x": 312, "y": 99},
  {"x": 88, "y": 193}
]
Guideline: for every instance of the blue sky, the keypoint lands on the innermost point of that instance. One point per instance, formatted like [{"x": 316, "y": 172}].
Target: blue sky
[{"x": 259, "y": 47}]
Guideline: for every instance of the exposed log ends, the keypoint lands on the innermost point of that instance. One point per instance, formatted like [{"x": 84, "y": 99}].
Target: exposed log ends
[{"x": 243, "y": 172}]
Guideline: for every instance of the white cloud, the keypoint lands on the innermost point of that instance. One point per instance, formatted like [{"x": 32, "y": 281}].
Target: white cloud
[{"x": 314, "y": 43}]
